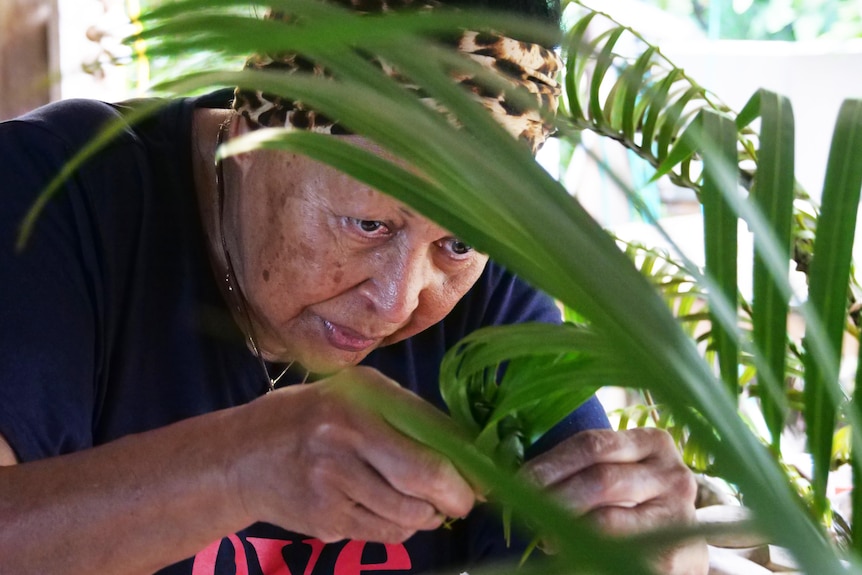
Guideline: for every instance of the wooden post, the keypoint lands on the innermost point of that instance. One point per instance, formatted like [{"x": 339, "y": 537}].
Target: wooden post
[{"x": 28, "y": 30}]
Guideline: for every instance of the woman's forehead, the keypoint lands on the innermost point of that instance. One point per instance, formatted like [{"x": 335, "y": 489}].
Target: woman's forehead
[{"x": 308, "y": 176}]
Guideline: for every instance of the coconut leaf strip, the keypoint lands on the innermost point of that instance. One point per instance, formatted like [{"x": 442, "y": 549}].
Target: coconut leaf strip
[
  {"x": 720, "y": 234},
  {"x": 773, "y": 195},
  {"x": 575, "y": 63},
  {"x": 604, "y": 61},
  {"x": 636, "y": 78},
  {"x": 827, "y": 294},
  {"x": 856, "y": 461}
]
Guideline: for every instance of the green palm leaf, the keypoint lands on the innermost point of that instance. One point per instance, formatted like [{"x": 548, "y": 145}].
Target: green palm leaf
[
  {"x": 720, "y": 237},
  {"x": 830, "y": 270},
  {"x": 773, "y": 194}
]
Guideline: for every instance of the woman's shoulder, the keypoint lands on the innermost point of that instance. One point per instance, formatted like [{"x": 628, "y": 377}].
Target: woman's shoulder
[
  {"x": 78, "y": 122},
  {"x": 75, "y": 110},
  {"x": 69, "y": 122}
]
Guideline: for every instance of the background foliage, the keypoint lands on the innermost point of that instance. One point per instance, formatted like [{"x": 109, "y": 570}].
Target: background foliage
[{"x": 771, "y": 19}]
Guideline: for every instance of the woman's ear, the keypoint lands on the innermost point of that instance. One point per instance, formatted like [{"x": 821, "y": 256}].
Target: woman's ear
[{"x": 239, "y": 126}]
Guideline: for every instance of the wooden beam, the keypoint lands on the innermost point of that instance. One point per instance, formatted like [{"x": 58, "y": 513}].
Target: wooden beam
[{"x": 27, "y": 29}]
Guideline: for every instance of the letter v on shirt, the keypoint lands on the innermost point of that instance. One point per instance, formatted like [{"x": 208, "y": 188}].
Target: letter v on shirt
[{"x": 269, "y": 556}]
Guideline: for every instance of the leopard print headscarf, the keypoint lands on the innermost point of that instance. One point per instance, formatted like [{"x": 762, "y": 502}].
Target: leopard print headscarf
[{"x": 530, "y": 66}]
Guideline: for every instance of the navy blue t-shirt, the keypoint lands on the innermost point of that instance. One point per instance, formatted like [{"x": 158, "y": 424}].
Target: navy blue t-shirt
[{"x": 112, "y": 324}]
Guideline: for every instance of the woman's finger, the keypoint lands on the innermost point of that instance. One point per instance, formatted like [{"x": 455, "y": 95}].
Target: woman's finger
[
  {"x": 599, "y": 446},
  {"x": 625, "y": 485},
  {"x": 370, "y": 490}
]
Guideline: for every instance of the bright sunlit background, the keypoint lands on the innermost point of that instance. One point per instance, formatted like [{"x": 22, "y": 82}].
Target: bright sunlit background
[{"x": 808, "y": 50}]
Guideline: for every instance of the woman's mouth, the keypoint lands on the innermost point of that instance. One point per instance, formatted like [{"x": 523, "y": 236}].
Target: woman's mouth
[{"x": 345, "y": 338}]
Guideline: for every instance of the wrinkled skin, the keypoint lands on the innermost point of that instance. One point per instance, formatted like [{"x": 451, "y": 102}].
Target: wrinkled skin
[{"x": 625, "y": 482}]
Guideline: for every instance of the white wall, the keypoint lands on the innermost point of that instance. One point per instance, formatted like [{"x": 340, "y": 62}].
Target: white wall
[
  {"x": 816, "y": 76},
  {"x": 90, "y": 31}
]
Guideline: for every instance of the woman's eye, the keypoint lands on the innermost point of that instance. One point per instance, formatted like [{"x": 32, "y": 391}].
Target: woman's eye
[
  {"x": 369, "y": 226},
  {"x": 457, "y": 247}
]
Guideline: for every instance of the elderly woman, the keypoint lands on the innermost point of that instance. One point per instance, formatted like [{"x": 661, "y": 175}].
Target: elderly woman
[{"x": 164, "y": 296}]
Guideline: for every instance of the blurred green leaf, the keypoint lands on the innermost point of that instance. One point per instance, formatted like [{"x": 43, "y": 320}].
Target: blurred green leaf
[
  {"x": 720, "y": 235},
  {"x": 773, "y": 194},
  {"x": 827, "y": 292}
]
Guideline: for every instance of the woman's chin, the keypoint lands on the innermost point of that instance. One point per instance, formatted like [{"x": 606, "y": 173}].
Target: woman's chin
[{"x": 328, "y": 364}]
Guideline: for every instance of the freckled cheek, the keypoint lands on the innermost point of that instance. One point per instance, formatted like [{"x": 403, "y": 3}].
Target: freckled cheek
[
  {"x": 304, "y": 252},
  {"x": 337, "y": 277},
  {"x": 307, "y": 269},
  {"x": 288, "y": 253},
  {"x": 346, "y": 273},
  {"x": 274, "y": 264}
]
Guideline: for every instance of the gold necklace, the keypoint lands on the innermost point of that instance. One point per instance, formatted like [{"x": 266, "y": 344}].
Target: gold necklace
[{"x": 232, "y": 286}]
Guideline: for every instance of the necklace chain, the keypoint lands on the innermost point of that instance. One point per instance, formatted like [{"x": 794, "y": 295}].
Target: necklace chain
[{"x": 232, "y": 285}]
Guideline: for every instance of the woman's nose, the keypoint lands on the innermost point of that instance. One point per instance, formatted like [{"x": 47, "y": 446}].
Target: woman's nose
[{"x": 398, "y": 283}]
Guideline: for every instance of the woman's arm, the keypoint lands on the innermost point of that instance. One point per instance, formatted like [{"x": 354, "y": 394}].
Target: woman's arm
[
  {"x": 131, "y": 506},
  {"x": 7, "y": 456},
  {"x": 308, "y": 458}
]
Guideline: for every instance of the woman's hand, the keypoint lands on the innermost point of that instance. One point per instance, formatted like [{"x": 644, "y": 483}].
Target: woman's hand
[
  {"x": 308, "y": 457},
  {"x": 319, "y": 461},
  {"x": 626, "y": 482}
]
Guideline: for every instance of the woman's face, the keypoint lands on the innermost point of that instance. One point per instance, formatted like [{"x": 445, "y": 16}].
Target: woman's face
[{"x": 332, "y": 269}]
